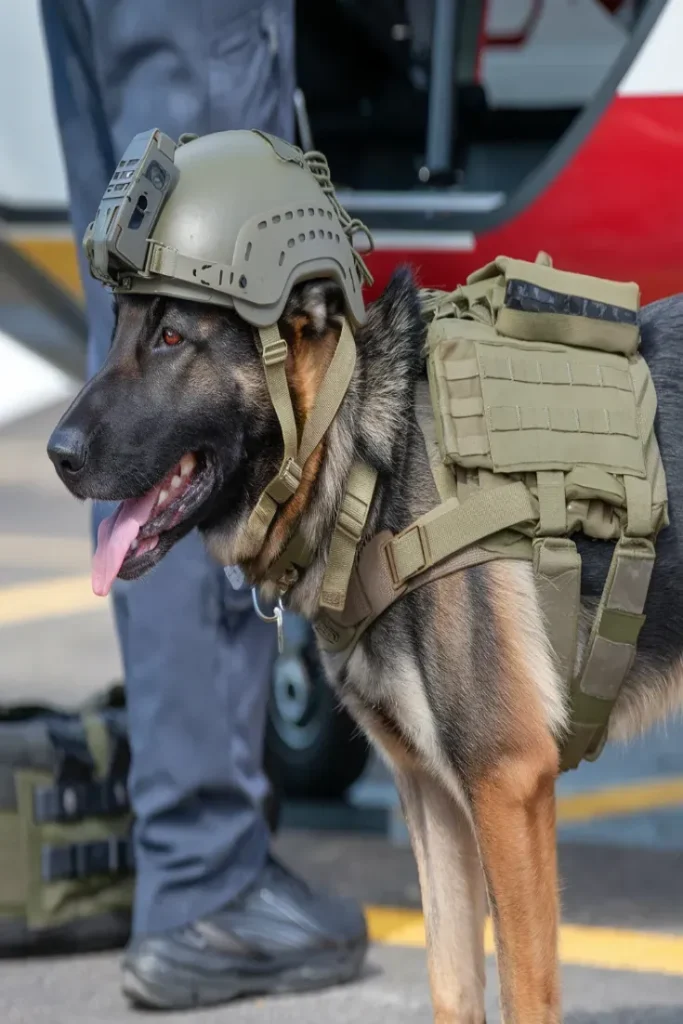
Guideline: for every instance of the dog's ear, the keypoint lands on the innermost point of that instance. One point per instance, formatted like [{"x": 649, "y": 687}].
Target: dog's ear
[{"x": 314, "y": 308}]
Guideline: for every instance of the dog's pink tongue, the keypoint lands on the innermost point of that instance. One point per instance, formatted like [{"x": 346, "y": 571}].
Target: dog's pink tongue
[{"x": 114, "y": 537}]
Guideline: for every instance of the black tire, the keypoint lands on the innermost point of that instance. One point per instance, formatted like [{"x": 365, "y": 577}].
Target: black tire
[{"x": 313, "y": 748}]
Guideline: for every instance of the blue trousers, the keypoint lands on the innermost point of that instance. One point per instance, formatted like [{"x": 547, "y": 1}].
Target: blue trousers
[{"x": 197, "y": 660}]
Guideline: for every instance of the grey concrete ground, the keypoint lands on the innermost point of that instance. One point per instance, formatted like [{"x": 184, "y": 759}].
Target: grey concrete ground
[
  {"x": 618, "y": 874},
  {"x": 393, "y": 991}
]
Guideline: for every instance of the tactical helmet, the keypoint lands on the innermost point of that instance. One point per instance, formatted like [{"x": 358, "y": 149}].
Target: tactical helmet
[{"x": 235, "y": 218}]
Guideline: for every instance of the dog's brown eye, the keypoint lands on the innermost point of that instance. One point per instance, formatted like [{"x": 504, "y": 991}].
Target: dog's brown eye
[{"x": 171, "y": 337}]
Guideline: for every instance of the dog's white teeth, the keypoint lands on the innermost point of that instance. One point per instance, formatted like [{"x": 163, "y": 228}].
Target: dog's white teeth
[
  {"x": 163, "y": 495},
  {"x": 176, "y": 482},
  {"x": 187, "y": 464},
  {"x": 134, "y": 544}
]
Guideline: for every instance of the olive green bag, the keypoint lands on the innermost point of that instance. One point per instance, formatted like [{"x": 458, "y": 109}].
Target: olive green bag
[
  {"x": 535, "y": 378},
  {"x": 66, "y": 867}
]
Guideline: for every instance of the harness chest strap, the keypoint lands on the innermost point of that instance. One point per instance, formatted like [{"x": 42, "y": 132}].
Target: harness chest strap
[
  {"x": 347, "y": 535},
  {"x": 348, "y": 531},
  {"x": 439, "y": 543},
  {"x": 452, "y": 526},
  {"x": 372, "y": 590}
]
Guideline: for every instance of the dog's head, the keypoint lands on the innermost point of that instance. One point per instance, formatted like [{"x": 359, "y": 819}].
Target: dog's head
[{"x": 178, "y": 425}]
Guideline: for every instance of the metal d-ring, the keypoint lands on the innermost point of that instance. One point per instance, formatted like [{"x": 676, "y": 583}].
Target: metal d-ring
[{"x": 276, "y": 617}]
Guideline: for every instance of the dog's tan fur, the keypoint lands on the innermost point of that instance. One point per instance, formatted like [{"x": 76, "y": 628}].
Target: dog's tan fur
[{"x": 455, "y": 684}]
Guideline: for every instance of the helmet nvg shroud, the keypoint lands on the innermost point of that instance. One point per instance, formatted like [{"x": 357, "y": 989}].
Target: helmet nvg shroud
[{"x": 236, "y": 219}]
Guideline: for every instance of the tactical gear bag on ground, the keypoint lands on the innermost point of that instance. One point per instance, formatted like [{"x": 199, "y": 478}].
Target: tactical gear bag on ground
[
  {"x": 66, "y": 871},
  {"x": 540, "y": 424}
]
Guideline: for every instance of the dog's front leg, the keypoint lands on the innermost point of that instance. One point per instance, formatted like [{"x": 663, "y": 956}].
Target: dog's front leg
[
  {"x": 453, "y": 896},
  {"x": 514, "y": 812}
]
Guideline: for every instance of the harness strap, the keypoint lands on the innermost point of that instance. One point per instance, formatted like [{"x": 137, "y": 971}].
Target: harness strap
[
  {"x": 552, "y": 503},
  {"x": 372, "y": 590},
  {"x": 296, "y": 556},
  {"x": 441, "y": 542},
  {"x": 611, "y": 648},
  {"x": 557, "y": 571},
  {"x": 450, "y": 527},
  {"x": 348, "y": 531},
  {"x": 332, "y": 391},
  {"x": 557, "y": 574},
  {"x": 283, "y": 486}
]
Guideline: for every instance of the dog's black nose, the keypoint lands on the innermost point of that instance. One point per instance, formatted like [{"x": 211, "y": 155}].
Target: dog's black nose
[{"x": 68, "y": 450}]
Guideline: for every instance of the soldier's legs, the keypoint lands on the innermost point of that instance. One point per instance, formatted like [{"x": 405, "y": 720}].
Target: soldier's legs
[{"x": 197, "y": 660}]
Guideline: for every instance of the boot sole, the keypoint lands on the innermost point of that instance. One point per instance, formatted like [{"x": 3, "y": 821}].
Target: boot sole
[{"x": 154, "y": 987}]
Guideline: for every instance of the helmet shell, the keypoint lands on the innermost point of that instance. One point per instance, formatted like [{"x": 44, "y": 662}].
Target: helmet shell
[{"x": 246, "y": 220}]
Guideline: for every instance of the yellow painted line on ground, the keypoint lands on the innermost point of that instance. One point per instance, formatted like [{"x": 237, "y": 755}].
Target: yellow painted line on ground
[
  {"x": 621, "y": 800},
  {"x": 28, "y": 602},
  {"x": 613, "y": 949}
]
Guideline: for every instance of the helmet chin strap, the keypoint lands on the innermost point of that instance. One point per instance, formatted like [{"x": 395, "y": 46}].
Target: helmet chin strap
[{"x": 334, "y": 386}]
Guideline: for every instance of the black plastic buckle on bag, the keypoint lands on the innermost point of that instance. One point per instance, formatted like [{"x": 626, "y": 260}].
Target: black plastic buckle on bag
[
  {"x": 71, "y": 802},
  {"x": 107, "y": 857}
]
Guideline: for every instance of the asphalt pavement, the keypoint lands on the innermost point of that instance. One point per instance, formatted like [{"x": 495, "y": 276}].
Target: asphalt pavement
[{"x": 621, "y": 820}]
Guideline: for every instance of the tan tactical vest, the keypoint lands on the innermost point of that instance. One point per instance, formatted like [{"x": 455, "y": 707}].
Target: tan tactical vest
[{"x": 540, "y": 424}]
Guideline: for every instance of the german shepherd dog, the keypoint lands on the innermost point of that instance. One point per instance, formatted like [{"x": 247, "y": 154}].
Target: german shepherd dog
[{"x": 455, "y": 683}]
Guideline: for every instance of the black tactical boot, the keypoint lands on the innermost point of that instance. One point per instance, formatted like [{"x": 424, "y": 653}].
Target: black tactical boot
[{"x": 280, "y": 936}]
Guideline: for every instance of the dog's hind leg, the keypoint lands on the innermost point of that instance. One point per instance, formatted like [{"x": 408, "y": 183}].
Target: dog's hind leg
[
  {"x": 453, "y": 896},
  {"x": 514, "y": 813}
]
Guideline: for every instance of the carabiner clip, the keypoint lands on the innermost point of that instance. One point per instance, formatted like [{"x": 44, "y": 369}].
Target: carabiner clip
[{"x": 277, "y": 617}]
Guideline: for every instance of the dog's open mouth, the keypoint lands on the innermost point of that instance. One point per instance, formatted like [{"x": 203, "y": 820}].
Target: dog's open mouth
[{"x": 141, "y": 530}]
